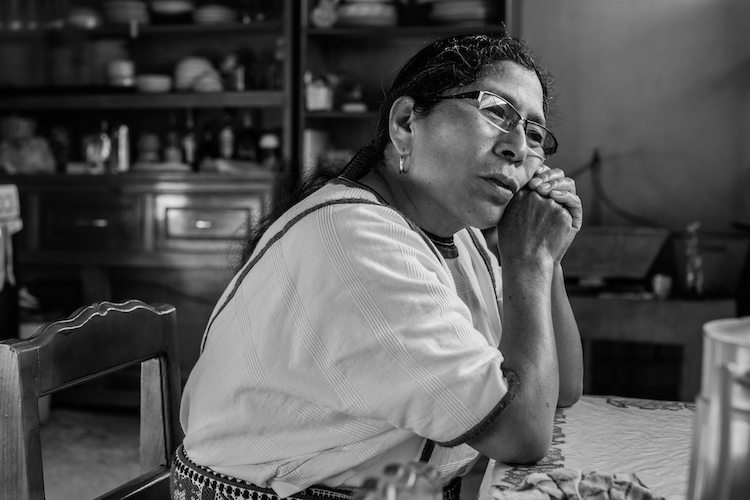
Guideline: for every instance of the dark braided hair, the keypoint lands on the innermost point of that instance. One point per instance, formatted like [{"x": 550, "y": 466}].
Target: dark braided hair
[
  {"x": 450, "y": 63},
  {"x": 436, "y": 69}
]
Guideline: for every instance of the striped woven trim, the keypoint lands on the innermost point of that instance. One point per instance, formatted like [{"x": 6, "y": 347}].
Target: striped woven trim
[{"x": 190, "y": 481}]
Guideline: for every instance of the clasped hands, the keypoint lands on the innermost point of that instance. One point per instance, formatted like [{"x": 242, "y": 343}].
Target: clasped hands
[{"x": 552, "y": 184}]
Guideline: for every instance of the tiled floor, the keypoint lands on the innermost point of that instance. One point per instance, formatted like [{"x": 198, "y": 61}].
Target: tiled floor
[{"x": 86, "y": 454}]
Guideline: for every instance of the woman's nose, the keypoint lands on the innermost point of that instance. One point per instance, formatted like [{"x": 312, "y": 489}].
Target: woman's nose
[{"x": 512, "y": 144}]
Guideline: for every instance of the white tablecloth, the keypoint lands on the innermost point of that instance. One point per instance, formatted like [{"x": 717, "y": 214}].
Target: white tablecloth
[{"x": 610, "y": 435}]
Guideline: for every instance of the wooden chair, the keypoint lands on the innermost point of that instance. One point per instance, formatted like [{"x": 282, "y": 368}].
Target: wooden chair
[{"x": 94, "y": 341}]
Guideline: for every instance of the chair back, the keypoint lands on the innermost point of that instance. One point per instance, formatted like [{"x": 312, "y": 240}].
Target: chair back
[{"x": 92, "y": 342}]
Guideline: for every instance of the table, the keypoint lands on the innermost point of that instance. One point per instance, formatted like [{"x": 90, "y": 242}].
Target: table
[{"x": 609, "y": 435}]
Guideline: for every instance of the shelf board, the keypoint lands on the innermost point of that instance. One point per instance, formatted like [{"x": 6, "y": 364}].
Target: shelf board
[
  {"x": 340, "y": 115},
  {"x": 124, "y": 30},
  {"x": 439, "y": 31},
  {"x": 52, "y": 101}
]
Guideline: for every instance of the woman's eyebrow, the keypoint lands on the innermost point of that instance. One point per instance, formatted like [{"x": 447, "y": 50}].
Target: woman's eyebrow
[{"x": 533, "y": 117}]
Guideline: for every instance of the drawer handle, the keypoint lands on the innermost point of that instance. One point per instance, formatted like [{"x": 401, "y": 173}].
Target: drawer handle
[
  {"x": 203, "y": 224},
  {"x": 92, "y": 222}
]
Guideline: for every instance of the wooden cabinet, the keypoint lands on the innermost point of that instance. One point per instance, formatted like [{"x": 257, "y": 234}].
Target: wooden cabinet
[
  {"x": 172, "y": 220},
  {"x": 168, "y": 238}
]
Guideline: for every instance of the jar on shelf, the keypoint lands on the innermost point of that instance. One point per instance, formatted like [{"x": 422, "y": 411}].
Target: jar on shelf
[{"x": 270, "y": 152}]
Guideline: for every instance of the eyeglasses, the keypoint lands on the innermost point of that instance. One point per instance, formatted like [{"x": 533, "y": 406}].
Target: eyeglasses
[{"x": 502, "y": 115}]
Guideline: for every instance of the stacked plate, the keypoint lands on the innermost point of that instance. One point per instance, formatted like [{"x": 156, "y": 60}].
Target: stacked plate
[
  {"x": 174, "y": 7},
  {"x": 126, "y": 11},
  {"x": 192, "y": 70},
  {"x": 154, "y": 84},
  {"x": 464, "y": 12},
  {"x": 172, "y": 11},
  {"x": 214, "y": 14},
  {"x": 367, "y": 13}
]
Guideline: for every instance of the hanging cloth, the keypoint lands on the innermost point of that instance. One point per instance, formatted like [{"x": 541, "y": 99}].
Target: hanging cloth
[{"x": 10, "y": 224}]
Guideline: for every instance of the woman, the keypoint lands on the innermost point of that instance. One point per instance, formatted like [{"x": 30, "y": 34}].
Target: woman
[{"x": 370, "y": 323}]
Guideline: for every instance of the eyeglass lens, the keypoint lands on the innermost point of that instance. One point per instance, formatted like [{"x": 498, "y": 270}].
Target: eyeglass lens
[{"x": 504, "y": 116}]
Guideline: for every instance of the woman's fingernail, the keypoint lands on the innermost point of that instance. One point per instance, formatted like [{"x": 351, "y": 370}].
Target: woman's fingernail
[{"x": 535, "y": 182}]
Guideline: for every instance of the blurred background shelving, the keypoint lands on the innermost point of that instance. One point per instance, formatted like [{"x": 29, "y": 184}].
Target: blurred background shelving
[{"x": 225, "y": 125}]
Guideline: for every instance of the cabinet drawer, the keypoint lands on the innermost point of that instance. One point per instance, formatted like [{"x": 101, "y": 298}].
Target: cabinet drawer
[
  {"x": 209, "y": 223},
  {"x": 88, "y": 222},
  {"x": 204, "y": 222}
]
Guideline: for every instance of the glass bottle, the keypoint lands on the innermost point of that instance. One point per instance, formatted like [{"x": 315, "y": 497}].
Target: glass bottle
[
  {"x": 98, "y": 149},
  {"x": 60, "y": 144},
  {"x": 247, "y": 140},
  {"x": 270, "y": 152},
  {"x": 275, "y": 65},
  {"x": 120, "y": 158},
  {"x": 206, "y": 151},
  {"x": 226, "y": 138},
  {"x": 190, "y": 142},
  {"x": 693, "y": 262},
  {"x": 173, "y": 145}
]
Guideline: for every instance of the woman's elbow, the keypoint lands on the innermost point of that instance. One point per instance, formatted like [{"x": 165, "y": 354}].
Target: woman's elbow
[
  {"x": 530, "y": 450},
  {"x": 522, "y": 445},
  {"x": 570, "y": 393},
  {"x": 569, "y": 399}
]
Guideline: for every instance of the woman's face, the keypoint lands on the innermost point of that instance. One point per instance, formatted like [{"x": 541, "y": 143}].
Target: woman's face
[{"x": 462, "y": 170}]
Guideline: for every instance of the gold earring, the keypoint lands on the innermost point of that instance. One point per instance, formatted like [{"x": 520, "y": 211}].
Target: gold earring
[{"x": 401, "y": 164}]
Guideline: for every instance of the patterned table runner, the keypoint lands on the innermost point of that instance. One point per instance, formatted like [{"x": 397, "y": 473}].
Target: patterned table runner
[{"x": 612, "y": 435}]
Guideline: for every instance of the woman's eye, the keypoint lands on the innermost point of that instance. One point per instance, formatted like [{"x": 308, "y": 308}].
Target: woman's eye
[
  {"x": 497, "y": 112},
  {"x": 535, "y": 135}
]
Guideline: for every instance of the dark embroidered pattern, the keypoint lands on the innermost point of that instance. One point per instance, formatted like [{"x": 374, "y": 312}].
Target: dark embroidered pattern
[
  {"x": 429, "y": 447},
  {"x": 553, "y": 460},
  {"x": 445, "y": 246},
  {"x": 649, "y": 404},
  {"x": 190, "y": 481}
]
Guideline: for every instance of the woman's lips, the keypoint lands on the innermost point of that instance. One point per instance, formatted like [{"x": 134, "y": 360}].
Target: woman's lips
[{"x": 499, "y": 184}]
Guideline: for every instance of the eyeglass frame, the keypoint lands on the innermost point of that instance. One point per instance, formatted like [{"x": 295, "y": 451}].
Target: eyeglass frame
[{"x": 477, "y": 96}]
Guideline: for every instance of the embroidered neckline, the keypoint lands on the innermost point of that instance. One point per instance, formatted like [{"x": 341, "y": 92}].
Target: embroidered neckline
[{"x": 445, "y": 246}]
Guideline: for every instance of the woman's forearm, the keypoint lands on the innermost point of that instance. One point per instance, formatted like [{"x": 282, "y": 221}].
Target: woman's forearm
[
  {"x": 568, "y": 340},
  {"x": 522, "y": 433}
]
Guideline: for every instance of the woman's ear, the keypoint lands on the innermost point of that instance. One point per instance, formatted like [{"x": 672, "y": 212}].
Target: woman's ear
[{"x": 400, "y": 124}]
